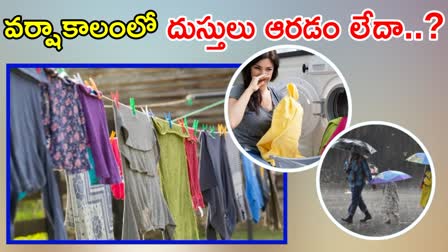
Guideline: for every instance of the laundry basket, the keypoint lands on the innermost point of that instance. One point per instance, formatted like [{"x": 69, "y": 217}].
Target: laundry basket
[{"x": 282, "y": 162}]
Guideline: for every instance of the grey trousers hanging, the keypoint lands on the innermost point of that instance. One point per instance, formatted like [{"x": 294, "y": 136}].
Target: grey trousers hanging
[
  {"x": 31, "y": 166},
  {"x": 217, "y": 187}
]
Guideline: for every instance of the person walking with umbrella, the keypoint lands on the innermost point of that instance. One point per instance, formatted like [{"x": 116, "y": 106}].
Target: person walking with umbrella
[
  {"x": 426, "y": 184},
  {"x": 358, "y": 171},
  {"x": 390, "y": 195},
  {"x": 391, "y": 203},
  {"x": 426, "y": 187}
]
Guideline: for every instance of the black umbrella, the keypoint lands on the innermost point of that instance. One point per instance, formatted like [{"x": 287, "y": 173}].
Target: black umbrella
[{"x": 354, "y": 145}]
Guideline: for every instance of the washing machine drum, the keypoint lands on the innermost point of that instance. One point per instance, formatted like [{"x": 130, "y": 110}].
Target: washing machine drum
[{"x": 336, "y": 102}]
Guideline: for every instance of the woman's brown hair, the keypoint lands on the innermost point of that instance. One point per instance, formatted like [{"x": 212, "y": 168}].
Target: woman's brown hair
[{"x": 255, "y": 99}]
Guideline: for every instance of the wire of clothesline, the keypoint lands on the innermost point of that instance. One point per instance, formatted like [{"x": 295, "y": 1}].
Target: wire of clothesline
[
  {"x": 200, "y": 110},
  {"x": 180, "y": 101},
  {"x": 121, "y": 104},
  {"x": 160, "y": 104},
  {"x": 153, "y": 105},
  {"x": 178, "y": 118}
]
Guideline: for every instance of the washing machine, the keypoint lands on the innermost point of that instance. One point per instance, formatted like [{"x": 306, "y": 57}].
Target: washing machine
[{"x": 321, "y": 94}]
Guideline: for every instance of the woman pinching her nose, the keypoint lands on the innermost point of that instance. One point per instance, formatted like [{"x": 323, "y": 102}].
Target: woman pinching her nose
[{"x": 252, "y": 102}]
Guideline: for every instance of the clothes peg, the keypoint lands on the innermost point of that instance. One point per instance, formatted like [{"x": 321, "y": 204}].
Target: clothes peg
[
  {"x": 189, "y": 101},
  {"x": 92, "y": 90},
  {"x": 224, "y": 128},
  {"x": 38, "y": 70},
  {"x": 112, "y": 134},
  {"x": 61, "y": 72},
  {"x": 78, "y": 78},
  {"x": 181, "y": 123},
  {"x": 92, "y": 82},
  {"x": 115, "y": 97},
  {"x": 219, "y": 129},
  {"x": 195, "y": 125},
  {"x": 168, "y": 118},
  {"x": 211, "y": 129},
  {"x": 201, "y": 212},
  {"x": 88, "y": 84},
  {"x": 95, "y": 88},
  {"x": 148, "y": 112},
  {"x": 204, "y": 127},
  {"x": 186, "y": 122},
  {"x": 132, "y": 105}
]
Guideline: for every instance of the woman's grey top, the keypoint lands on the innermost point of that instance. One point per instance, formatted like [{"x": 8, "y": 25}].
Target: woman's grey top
[{"x": 253, "y": 126}]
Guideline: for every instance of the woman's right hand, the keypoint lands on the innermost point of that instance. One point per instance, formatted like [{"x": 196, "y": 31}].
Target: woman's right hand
[
  {"x": 257, "y": 81},
  {"x": 237, "y": 107}
]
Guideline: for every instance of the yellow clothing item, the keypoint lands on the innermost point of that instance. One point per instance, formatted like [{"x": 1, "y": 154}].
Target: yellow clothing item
[
  {"x": 426, "y": 189},
  {"x": 282, "y": 139}
]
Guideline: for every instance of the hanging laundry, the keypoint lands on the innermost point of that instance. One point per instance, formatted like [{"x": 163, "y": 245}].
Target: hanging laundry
[
  {"x": 92, "y": 173},
  {"x": 253, "y": 191},
  {"x": 426, "y": 186},
  {"x": 117, "y": 192},
  {"x": 30, "y": 162},
  {"x": 21, "y": 196},
  {"x": 89, "y": 208},
  {"x": 191, "y": 146},
  {"x": 64, "y": 125},
  {"x": 106, "y": 167},
  {"x": 145, "y": 208},
  {"x": 233, "y": 155},
  {"x": 217, "y": 187},
  {"x": 282, "y": 139},
  {"x": 334, "y": 127},
  {"x": 174, "y": 178},
  {"x": 273, "y": 208},
  {"x": 263, "y": 181},
  {"x": 117, "y": 189},
  {"x": 118, "y": 213}
]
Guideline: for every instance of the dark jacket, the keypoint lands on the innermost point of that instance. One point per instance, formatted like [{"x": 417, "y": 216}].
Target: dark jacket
[{"x": 358, "y": 173}]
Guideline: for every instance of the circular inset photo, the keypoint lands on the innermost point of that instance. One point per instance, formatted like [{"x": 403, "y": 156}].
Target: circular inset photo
[
  {"x": 284, "y": 105},
  {"x": 376, "y": 180}
]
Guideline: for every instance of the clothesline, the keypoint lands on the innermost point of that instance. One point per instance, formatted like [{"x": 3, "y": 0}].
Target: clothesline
[
  {"x": 176, "y": 119},
  {"x": 200, "y": 110},
  {"x": 161, "y": 104},
  {"x": 180, "y": 101},
  {"x": 121, "y": 104},
  {"x": 78, "y": 77}
]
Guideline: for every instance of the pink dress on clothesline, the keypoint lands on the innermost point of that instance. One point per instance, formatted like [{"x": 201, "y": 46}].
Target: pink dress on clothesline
[{"x": 117, "y": 189}]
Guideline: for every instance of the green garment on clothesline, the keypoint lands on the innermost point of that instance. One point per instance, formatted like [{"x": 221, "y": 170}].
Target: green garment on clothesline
[{"x": 174, "y": 178}]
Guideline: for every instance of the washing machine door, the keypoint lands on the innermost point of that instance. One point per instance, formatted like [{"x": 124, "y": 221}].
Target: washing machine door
[{"x": 307, "y": 98}]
